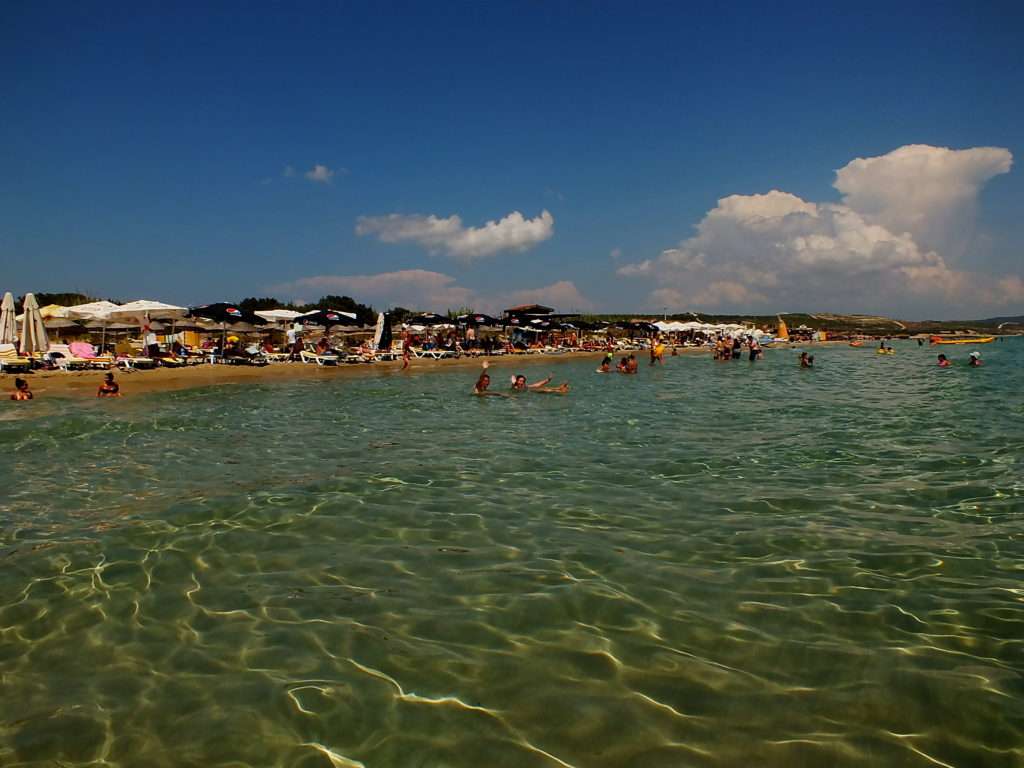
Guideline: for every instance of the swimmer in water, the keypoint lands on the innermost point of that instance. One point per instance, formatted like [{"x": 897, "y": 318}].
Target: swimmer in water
[
  {"x": 944, "y": 362},
  {"x": 605, "y": 367},
  {"x": 561, "y": 389},
  {"x": 21, "y": 390},
  {"x": 482, "y": 384},
  {"x": 975, "y": 360},
  {"x": 632, "y": 366},
  {"x": 519, "y": 383},
  {"x": 109, "y": 387},
  {"x": 806, "y": 361}
]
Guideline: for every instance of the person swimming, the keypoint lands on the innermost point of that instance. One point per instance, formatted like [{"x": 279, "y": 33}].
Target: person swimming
[
  {"x": 974, "y": 361},
  {"x": 109, "y": 387},
  {"x": 944, "y": 361},
  {"x": 519, "y": 383},
  {"x": 482, "y": 384},
  {"x": 605, "y": 366},
  {"x": 806, "y": 361},
  {"x": 21, "y": 390}
]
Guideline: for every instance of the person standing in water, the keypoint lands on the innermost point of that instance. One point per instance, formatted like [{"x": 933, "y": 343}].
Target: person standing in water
[{"x": 109, "y": 387}]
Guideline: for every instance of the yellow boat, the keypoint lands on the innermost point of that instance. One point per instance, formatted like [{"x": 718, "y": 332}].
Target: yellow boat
[{"x": 982, "y": 340}]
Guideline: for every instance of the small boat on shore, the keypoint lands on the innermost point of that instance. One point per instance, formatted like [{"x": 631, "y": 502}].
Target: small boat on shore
[{"x": 977, "y": 340}]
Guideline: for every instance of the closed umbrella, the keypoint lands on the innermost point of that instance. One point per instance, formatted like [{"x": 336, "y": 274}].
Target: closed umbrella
[
  {"x": 382, "y": 333},
  {"x": 7, "y": 325},
  {"x": 33, "y": 332}
]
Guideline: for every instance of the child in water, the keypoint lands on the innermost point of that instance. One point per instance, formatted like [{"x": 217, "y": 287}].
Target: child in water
[
  {"x": 975, "y": 360},
  {"x": 21, "y": 390},
  {"x": 944, "y": 362}
]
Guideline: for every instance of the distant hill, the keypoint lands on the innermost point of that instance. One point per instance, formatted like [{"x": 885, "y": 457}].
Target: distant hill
[{"x": 1018, "y": 319}]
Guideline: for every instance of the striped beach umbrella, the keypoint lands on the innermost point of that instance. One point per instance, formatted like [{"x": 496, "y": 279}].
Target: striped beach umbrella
[
  {"x": 33, "y": 332},
  {"x": 8, "y": 329}
]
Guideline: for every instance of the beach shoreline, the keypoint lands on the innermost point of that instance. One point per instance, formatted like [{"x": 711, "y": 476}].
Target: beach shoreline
[{"x": 75, "y": 384}]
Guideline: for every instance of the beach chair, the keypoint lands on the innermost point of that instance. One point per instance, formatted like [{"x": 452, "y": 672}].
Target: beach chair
[
  {"x": 62, "y": 356},
  {"x": 87, "y": 352},
  {"x": 312, "y": 357},
  {"x": 131, "y": 363},
  {"x": 433, "y": 354},
  {"x": 10, "y": 360}
]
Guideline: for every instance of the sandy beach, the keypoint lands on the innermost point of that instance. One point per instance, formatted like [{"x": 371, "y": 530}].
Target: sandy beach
[{"x": 84, "y": 383}]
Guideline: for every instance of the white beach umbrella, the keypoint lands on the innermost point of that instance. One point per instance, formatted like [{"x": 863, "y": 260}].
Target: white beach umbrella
[
  {"x": 33, "y": 332},
  {"x": 278, "y": 315},
  {"x": 8, "y": 328},
  {"x": 144, "y": 309},
  {"x": 96, "y": 314}
]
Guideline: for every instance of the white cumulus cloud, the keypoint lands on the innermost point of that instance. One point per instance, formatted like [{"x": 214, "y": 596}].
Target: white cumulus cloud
[
  {"x": 320, "y": 174},
  {"x": 929, "y": 192},
  {"x": 891, "y": 237},
  {"x": 514, "y": 232}
]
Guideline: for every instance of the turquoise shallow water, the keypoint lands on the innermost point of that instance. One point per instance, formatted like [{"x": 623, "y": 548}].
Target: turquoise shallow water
[{"x": 709, "y": 564}]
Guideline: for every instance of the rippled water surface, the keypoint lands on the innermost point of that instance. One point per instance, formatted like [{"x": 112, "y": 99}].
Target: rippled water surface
[{"x": 709, "y": 564}]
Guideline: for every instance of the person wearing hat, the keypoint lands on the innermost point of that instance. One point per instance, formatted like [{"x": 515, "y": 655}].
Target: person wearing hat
[{"x": 975, "y": 360}]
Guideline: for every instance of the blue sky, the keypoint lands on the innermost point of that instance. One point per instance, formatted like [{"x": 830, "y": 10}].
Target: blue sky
[{"x": 162, "y": 151}]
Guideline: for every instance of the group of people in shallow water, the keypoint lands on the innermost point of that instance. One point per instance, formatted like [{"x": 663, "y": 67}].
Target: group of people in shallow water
[
  {"x": 973, "y": 360},
  {"x": 519, "y": 384},
  {"x": 729, "y": 348},
  {"x": 108, "y": 388}
]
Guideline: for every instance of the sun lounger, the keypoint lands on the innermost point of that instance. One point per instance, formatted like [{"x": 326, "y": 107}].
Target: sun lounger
[
  {"x": 434, "y": 354},
  {"x": 10, "y": 360},
  {"x": 62, "y": 356},
  {"x": 313, "y": 357},
  {"x": 136, "y": 363},
  {"x": 85, "y": 351}
]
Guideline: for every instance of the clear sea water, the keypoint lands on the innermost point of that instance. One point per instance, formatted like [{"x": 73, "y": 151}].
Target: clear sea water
[{"x": 707, "y": 564}]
